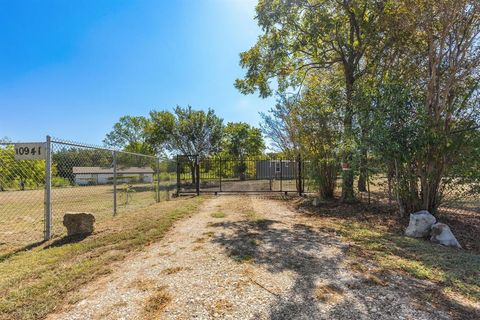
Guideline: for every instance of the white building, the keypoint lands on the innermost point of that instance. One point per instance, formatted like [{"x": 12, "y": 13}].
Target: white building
[{"x": 99, "y": 175}]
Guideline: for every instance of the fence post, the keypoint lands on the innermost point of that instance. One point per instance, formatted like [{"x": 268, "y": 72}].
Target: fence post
[
  {"x": 281, "y": 174},
  {"x": 300, "y": 179},
  {"x": 220, "y": 158},
  {"x": 197, "y": 173},
  {"x": 158, "y": 180},
  {"x": 178, "y": 176},
  {"x": 114, "y": 183},
  {"x": 48, "y": 190}
]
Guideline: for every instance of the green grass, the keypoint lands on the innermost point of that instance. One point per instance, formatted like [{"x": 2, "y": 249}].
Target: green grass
[
  {"x": 22, "y": 212},
  {"x": 251, "y": 215},
  {"x": 36, "y": 282},
  {"x": 218, "y": 214}
]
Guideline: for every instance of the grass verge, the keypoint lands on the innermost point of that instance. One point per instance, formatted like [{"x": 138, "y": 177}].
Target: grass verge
[
  {"x": 456, "y": 272},
  {"x": 34, "y": 283}
]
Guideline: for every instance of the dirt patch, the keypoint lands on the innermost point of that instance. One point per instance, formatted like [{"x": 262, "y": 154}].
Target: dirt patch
[{"x": 262, "y": 260}]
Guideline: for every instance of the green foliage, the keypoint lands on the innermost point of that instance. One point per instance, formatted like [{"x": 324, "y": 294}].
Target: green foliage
[
  {"x": 186, "y": 131},
  {"x": 395, "y": 82},
  {"x": 328, "y": 39},
  {"x": 14, "y": 172},
  {"x": 129, "y": 134},
  {"x": 241, "y": 140}
]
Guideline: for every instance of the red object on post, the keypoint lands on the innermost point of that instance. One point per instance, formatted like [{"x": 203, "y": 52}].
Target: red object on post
[{"x": 345, "y": 166}]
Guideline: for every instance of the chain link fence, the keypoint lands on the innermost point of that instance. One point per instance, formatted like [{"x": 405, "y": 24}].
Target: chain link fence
[{"x": 36, "y": 190}]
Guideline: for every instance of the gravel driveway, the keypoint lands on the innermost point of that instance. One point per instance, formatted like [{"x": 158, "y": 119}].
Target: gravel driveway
[{"x": 244, "y": 257}]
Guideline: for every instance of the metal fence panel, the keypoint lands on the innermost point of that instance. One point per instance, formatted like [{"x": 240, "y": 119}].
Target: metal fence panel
[
  {"x": 21, "y": 200},
  {"x": 74, "y": 177},
  {"x": 218, "y": 174}
]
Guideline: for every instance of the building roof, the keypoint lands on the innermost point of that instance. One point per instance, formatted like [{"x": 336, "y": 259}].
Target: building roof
[{"x": 100, "y": 170}]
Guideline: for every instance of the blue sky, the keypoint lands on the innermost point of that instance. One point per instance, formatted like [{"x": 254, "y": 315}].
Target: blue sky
[{"x": 72, "y": 68}]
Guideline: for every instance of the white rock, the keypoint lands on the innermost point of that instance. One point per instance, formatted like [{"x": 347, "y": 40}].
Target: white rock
[
  {"x": 420, "y": 224},
  {"x": 442, "y": 234},
  {"x": 316, "y": 202}
]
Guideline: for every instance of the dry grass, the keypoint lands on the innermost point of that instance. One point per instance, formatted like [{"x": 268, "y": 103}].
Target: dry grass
[
  {"x": 142, "y": 284},
  {"x": 22, "y": 211},
  {"x": 374, "y": 240},
  {"x": 36, "y": 282},
  {"x": 156, "y": 303},
  {"x": 328, "y": 293},
  {"x": 172, "y": 270},
  {"x": 220, "y": 307},
  {"x": 374, "y": 280}
]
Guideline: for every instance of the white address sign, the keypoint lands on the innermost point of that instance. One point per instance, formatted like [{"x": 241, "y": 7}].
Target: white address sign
[{"x": 29, "y": 151}]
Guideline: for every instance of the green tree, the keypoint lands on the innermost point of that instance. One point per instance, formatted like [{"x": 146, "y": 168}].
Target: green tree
[
  {"x": 187, "y": 132},
  {"x": 300, "y": 37},
  {"x": 427, "y": 96},
  {"x": 129, "y": 134},
  {"x": 12, "y": 172},
  {"x": 240, "y": 140}
]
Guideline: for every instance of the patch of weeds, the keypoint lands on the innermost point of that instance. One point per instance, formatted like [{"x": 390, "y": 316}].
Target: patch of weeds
[
  {"x": 263, "y": 224},
  {"x": 253, "y": 242},
  {"x": 328, "y": 293},
  {"x": 196, "y": 248},
  {"x": 156, "y": 303},
  {"x": 356, "y": 266},
  {"x": 209, "y": 234},
  {"x": 374, "y": 280},
  {"x": 200, "y": 240},
  {"x": 221, "y": 307},
  {"x": 251, "y": 215},
  {"x": 172, "y": 270},
  {"x": 142, "y": 284},
  {"x": 218, "y": 214},
  {"x": 242, "y": 257}
]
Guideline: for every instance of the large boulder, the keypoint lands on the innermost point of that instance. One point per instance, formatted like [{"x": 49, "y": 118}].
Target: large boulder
[
  {"x": 78, "y": 223},
  {"x": 442, "y": 234},
  {"x": 420, "y": 224}
]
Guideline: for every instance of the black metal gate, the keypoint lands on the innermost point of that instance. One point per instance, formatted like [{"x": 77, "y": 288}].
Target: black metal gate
[{"x": 216, "y": 174}]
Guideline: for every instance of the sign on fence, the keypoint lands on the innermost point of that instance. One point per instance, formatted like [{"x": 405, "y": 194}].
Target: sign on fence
[{"x": 29, "y": 151}]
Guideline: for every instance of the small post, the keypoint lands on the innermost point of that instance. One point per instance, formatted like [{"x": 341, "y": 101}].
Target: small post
[
  {"x": 197, "y": 173},
  {"x": 300, "y": 180},
  {"x": 281, "y": 175},
  {"x": 220, "y": 174},
  {"x": 115, "y": 183},
  {"x": 178, "y": 176},
  {"x": 48, "y": 189},
  {"x": 158, "y": 180}
]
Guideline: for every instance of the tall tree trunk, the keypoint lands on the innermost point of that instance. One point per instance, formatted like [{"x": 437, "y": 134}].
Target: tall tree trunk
[
  {"x": 430, "y": 184},
  {"x": 348, "y": 194},
  {"x": 362, "y": 179},
  {"x": 193, "y": 173}
]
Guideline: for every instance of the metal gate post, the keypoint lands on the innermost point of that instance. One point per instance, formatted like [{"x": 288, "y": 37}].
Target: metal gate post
[
  {"x": 299, "y": 177},
  {"x": 281, "y": 175},
  {"x": 197, "y": 174},
  {"x": 220, "y": 174},
  {"x": 114, "y": 182},
  {"x": 48, "y": 190},
  {"x": 158, "y": 180},
  {"x": 178, "y": 176}
]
